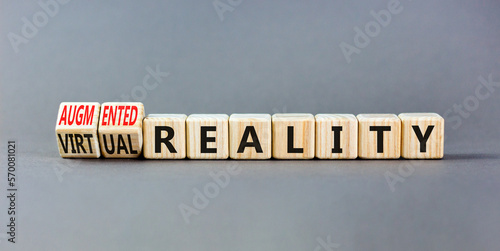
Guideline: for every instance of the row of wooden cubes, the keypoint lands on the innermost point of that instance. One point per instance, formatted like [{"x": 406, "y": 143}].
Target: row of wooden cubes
[{"x": 120, "y": 130}]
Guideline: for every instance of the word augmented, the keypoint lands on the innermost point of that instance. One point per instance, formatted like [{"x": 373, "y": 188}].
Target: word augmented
[{"x": 121, "y": 130}]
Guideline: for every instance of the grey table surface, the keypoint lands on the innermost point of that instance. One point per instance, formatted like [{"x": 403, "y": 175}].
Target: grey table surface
[{"x": 257, "y": 56}]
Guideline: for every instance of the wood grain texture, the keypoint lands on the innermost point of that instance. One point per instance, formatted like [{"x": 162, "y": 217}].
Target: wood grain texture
[
  {"x": 120, "y": 132},
  {"x": 368, "y": 142},
  {"x": 76, "y": 130},
  {"x": 177, "y": 123},
  {"x": 194, "y": 124},
  {"x": 325, "y": 136},
  {"x": 411, "y": 147},
  {"x": 258, "y": 123},
  {"x": 303, "y": 125}
]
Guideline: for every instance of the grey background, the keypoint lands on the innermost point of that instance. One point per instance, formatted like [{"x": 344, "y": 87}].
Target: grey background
[{"x": 264, "y": 56}]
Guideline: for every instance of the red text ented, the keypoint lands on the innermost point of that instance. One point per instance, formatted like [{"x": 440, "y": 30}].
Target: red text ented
[{"x": 119, "y": 115}]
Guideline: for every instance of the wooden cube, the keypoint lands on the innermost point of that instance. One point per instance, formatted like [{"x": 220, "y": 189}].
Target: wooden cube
[
  {"x": 76, "y": 130},
  {"x": 336, "y": 136},
  {"x": 164, "y": 136},
  {"x": 293, "y": 135},
  {"x": 250, "y": 136},
  {"x": 379, "y": 136},
  {"x": 422, "y": 135},
  {"x": 207, "y": 136},
  {"x": 120, "y": 129}
]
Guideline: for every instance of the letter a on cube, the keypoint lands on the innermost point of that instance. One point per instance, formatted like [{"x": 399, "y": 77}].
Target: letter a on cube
[
  {"x": 120, "y": 129},
  {"x": 76, "y": 130},
  {"x": 164, "y": 136},
  {"x": 293, "y": 135},
  {"x": 207, "y": 136},
  {"x": 379, "y": 136},
  {"x": 250, "y": 136},
  {"x": 422, "y": 135}
]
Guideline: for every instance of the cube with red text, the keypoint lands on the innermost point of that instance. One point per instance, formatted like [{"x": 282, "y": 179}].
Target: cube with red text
[
  {"x": 76, "y": 130},
  {"x": 120, "y": 129}
]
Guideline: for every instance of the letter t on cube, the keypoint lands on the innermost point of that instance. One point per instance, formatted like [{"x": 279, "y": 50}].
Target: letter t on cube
[{"x": 379, "y": 136}]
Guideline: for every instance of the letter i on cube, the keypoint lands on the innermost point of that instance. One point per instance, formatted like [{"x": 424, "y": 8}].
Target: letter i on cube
[{"x": 336, "y": 136}]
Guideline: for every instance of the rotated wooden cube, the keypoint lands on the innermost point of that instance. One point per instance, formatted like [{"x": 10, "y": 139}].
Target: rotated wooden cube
[
  {"x": 76, "y": 130},
  {"x": 120, "y": 129},
  {"x": 422, "y": 135},
  {"x": 250, "y": 136},
  {"x": 293, "y": 135},
  {"x": 164, "y": 136},
  {"x": 379, "y": 136},
  {"x": 336, "y": 136},
  {"x": 207, "y": 136}
]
